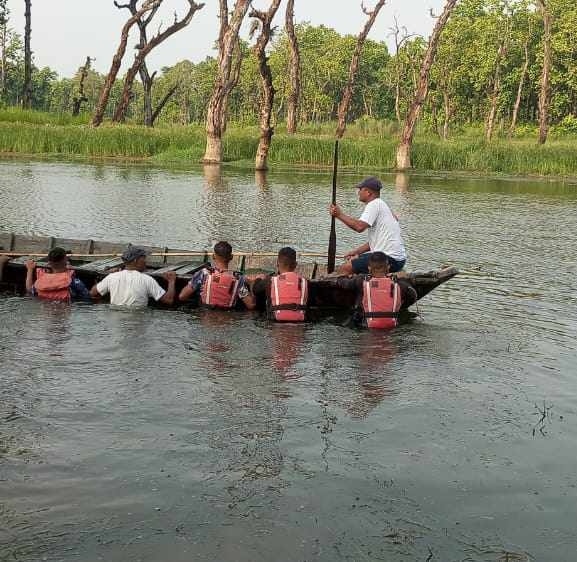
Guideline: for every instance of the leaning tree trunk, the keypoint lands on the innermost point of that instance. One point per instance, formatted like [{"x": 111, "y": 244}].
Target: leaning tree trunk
[
  {"x": 495, "y": 94},
  {"x": 545, "y": 93},
  {"x": 120, "y": 112},
  {"x": 348, "y": 91},
  {"x": 3, "y": 57},
  {"x": 519, "y": 92},
  {"x": 294, "y": 71},
  {"x": 268, "y": 91},
  {"x": 406, "y": 143},
  {"x": 27, "y": 87},
  {"x": 162, "y": 103},
  {"x": 81, "y": 97},
  {"x": 228, "y": 37},
  {"x": 117, "y": 61}
]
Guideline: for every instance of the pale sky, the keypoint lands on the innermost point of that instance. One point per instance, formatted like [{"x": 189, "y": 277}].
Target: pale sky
[{"x": 65, "y": 32}]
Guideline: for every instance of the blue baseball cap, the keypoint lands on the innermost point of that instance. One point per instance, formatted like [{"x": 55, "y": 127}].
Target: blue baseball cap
[{"x": 373, "y": 183}]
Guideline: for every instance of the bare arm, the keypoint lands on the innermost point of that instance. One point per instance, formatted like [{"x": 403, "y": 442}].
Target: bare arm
[
  {"x": 249, "y": 302},
  {"x": 168, "y": 297},
  {"x": 186, "y": 294},
  {"x": 354, "y": 224},
  {"x": 30, "y": 268}
]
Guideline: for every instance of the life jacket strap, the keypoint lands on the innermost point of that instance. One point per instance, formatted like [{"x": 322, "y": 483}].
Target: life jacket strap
[
  {"x": 290, "y": 306},
  {"x": 381, "y": 314}
]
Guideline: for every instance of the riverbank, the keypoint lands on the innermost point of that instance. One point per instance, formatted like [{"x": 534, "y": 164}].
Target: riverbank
[{"x": 371, "y": 150}]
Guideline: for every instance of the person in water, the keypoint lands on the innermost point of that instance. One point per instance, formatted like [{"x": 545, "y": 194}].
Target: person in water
[
  {"x": 132, "y": 287},
  {"x": 287, "y": 292},
  {"x": 217, "y": 285},
  {"x": 384, "y": 232},
  {"x": 57, "y": 282},
  {"x": 379, "y": 296}
]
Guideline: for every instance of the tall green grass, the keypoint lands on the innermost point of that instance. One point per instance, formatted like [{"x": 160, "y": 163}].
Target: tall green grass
[{"x": 313, "y": 146}]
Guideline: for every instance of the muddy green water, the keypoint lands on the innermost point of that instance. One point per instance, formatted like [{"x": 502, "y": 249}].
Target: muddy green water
[{"x": 173, "y": 436}]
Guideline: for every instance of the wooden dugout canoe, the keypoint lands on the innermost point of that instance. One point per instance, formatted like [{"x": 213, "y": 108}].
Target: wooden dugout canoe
[{"x": 93, "y": 260}]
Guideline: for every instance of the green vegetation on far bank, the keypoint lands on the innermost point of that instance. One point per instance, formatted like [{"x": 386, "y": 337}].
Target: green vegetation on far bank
[{"x": 364, "y": 147}]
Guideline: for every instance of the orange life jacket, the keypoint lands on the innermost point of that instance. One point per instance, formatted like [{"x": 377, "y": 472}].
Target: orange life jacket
[
  {"x": 289, "y": 297},
  {"x": 54, "y": 286},
  {"x": 220, "y": 289},
  {"x": 381, "y": 302}
]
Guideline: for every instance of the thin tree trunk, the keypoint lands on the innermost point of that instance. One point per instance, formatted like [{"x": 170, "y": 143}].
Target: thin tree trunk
[
  {"x": 545, "y": 93},
  {"x": 27, "y": 88},
  {"x": 495, "y": 94},
  {"x": 267, "y": 90},
  {"x": 406, "y": 144},
  {"x": 117, "y": 60},
  {"x": 143, "y": 52},
  {"x": 294, "y": 71},
  {"x": 228, "y": 38},
  {"x": 3, "y": 57},
  {"x": 345, "y": 103},
  {"x": 519, "y": 92},
  {"x": 162, "y": 103},
  {"x": 448, "y": 113},
  {"x": 81, "y": 97}
]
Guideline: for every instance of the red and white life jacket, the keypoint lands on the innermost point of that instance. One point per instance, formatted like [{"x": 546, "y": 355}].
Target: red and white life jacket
[
  {"x": 220, "y": 289},
  {"x": 54, "y": 286},
  {"x": 381, "y": 302},
  {"x": 289, "y": 297}
]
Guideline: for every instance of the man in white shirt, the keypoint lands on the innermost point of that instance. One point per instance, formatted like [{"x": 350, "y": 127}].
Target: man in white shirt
[
  {"x": 384, "y": 231},
  {"x": 132, "y": 287}
]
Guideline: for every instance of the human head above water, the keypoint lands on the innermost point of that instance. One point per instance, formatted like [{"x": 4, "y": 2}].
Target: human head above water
[
  {"x": 57, "y": 256},
  {"x": 287, "y": 259},
  {"x": 223, "y": 251},
  {"x": 379, "y": 263},
  {"x": 134, "y": 257}
]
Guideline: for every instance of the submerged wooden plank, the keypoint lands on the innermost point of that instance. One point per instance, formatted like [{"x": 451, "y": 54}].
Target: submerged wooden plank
[
  {"x": 101, "y": 266},
  {"x": 31, "y": 245}
]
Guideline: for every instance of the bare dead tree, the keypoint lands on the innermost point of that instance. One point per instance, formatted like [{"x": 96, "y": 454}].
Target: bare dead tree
[
  {"x": 225, "y": 78},
  {"x": 117, "y": 60},
  {"x": 143, "y": 52},
  {"x": 4, "y": 15},
  {"x": 519, "y": 91},
  {"x": 294, "y": 70},
  {"x": 406, "y": 143},
  {"x": 490, "y": 124},
  {"x": 264, "y": 20},
  {"x": 353, "y": 68},
  {"x": 237, "y": 58},
  {"x": 400, "y": 36},
  {"x": 145, "y": 76},
  {"x": 80, "y": 97},
  {"x": 545, "y": 93},
  {"x": 27, "y": 87}
]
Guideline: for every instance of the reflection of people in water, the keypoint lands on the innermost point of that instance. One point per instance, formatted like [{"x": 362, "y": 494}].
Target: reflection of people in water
[
  {"x": 376, "y": 350},
  {"x": 287, "y": 343}
]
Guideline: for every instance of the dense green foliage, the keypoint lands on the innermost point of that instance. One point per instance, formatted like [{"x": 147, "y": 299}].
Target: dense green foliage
[{"x": 462, "y": 77}]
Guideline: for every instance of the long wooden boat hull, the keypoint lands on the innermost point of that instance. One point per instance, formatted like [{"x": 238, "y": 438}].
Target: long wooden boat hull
[{"x": 93, "y": 260}]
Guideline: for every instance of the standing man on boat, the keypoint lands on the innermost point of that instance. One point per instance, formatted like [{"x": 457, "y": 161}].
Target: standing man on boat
[
  {"x": 132, "y": 287},
  {"x": 384, "y": 231}
]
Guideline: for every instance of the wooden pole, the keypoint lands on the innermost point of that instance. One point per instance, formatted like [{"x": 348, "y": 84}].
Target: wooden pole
[{"x": 333, "y": 235}]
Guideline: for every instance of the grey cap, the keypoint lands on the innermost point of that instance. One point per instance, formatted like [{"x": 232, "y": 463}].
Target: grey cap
[
  {"x": 372, "y": 183},
  {"x": 133, "y": 253}
]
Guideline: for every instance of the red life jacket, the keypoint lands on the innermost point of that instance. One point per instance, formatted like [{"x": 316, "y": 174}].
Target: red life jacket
[
  {"x": 220, "y": 289},
  {"x": 54, "y": 286},
  {"x": 381, "y": 302},
  {"x": 289, "y": 297}
]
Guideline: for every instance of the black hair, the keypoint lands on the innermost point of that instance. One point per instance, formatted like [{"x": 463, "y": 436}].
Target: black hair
[
  {"x": 223, "y": 250},
  {"x": 287, "y": 256},
  {"x": 56, "y": 255},
  {"x": 379, "y": 260}
]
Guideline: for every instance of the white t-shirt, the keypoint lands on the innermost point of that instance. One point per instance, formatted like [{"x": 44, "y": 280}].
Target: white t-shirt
[
  {"x": 130, "y": 288},
  {"x": 384, "y": 230}
]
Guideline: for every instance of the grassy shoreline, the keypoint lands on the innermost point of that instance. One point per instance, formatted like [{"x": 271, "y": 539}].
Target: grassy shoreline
[{"x": 360, "y": 150}]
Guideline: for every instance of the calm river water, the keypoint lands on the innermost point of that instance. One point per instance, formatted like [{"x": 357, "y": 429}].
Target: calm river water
[{"x": 169, "y": 436}]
